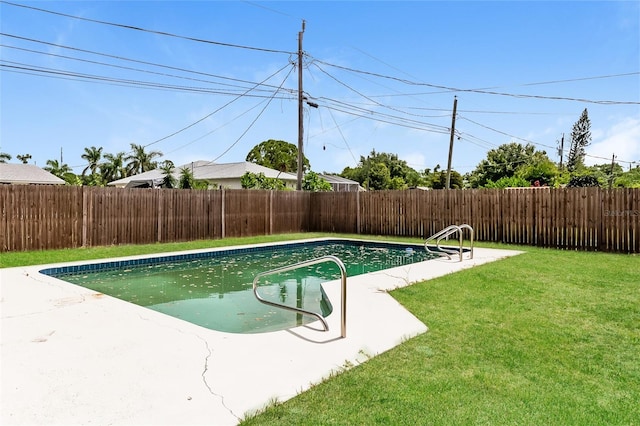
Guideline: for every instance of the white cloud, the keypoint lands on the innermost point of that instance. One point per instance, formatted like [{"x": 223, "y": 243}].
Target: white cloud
[{"x": 621, "y": 139}]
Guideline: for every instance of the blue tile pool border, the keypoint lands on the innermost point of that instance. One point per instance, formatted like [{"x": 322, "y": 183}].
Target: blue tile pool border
[{"x": 61, "y": 271}]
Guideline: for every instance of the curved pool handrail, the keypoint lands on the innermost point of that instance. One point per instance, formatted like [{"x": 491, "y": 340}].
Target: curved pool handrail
[
  {"x": 343, "y": 291},
  {"x": 471, "y": 235},
  {"x": 445, "y": 233}
]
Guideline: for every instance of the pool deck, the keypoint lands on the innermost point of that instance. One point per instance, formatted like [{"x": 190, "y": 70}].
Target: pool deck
[{"x": 74, "y": 356}]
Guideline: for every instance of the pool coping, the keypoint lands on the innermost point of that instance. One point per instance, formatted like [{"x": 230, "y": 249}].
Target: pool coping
[{"x": 71, "y": 355}]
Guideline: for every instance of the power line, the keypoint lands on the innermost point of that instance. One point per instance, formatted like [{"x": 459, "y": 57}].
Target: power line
[
  {"x": 131, "y": 27},
  {"x": 121, "y": 58},
  {"x": 482, "y": 91},
  {"x": 217, "y": 128},
  {"x": 120, "y": 66},
  {"x": 69, "y": 75},
  {"x": 343, "y": 138},
  {"x": 219, "y": 109},
  {"x": 254, "y": 121},
  {"x": 534, "y": 143}
]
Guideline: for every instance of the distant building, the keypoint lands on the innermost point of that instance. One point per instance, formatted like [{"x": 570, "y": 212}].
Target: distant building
[
  {"x": 341, "y": 184},
  {"x": 218, "y": 175},
  {"x": 26, "y": 174}
]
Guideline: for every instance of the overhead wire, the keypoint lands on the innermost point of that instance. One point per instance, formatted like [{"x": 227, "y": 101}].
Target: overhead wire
[
  {"x": 255, "y": 120},
  {"x": 537, "y": 143},
  {"x": 69, "y": 75},
  {"x": 343, "y": 138},
  {"x": 199, "y": 138},
  {"x": 162, "y": 74},
  {"x": 222, "y": 107},
  {"x": 484, "y": 91},
  {"x": 131, "y": 27},
  {"x": 122, "y": 58}
]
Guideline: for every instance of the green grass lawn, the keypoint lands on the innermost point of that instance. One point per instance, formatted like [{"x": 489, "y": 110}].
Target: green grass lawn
[{"x": 547, "y": 337}]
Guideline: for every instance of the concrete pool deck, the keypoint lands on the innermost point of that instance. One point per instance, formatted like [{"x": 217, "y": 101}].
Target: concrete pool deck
[{"x": 70, "y": 355}]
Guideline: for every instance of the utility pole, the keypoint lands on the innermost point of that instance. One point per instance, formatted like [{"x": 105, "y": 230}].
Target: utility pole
[
  {"x": 300, "y": 110},
  {"x": 561, "y": 150},
  {"x": 613, "y": 163},
  {"x": 453, "y": 131}
]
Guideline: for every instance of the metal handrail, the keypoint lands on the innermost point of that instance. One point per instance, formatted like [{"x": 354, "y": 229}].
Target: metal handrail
[
  {"x": 445, "y": 233},
  {"x": 343, "y": 291}
]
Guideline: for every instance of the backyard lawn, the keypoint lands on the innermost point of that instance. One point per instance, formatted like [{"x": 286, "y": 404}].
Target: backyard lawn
[{"x": 547, "y": 337}]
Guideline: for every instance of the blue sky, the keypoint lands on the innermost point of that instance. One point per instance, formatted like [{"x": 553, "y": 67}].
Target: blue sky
[{"x": 383, "y": 74}]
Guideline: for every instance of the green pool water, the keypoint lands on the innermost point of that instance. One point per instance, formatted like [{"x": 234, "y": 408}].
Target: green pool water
[{"x": 216, "y": 292}]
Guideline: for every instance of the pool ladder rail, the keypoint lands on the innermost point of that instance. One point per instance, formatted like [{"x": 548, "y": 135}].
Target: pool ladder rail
[
  {"x": 343, "y": 291},
  {"x": 445, "y": 234}
]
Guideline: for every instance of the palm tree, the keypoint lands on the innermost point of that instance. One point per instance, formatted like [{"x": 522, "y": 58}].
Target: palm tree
[
  {"x": 4, "y": 157},
  {"x": 186, "y": 179},
  {"x": 140, "y": 161},
  {"x": 24, "y": 158},
  {"x": 55, "y": 168},
  {"x": 113, "y": 168},
  {"x": 168, "y": 180},
  {"x": 93, "y": 156}
]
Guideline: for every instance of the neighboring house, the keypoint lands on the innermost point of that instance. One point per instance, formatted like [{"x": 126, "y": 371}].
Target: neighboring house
[
  {"x": 27, "y": 174},
  {"x": 219, "y": 175},
  {"x": 341, "y": 184}
]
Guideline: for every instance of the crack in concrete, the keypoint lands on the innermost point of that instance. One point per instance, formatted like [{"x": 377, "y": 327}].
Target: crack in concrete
[
  {"x": 204, "y": 378},
  {"x": 206, "y": 362}
]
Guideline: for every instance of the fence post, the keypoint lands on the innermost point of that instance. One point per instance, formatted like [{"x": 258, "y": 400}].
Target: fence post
[
  {"x": 222, "y": 224},
  {"x": 271, "y": 212},
  {"x": 358, "y": 212},
  {"x": 160, "y": 196},
  {"x": 84, "y": 217}
]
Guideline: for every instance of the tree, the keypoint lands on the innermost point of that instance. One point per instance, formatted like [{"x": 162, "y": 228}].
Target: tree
[
  {"x": 629, "y": 179},
  {"x": 168, "y": 181},
  {"x": 260, "y": 181},
  {"x": 4, "y": 157},
  {"x": 508, "y": 182},
  {"x": 580, "y": 138},
  {"x": 140, "y": 161},
  {"x": 438, "y": 180},
  {"x": 93, "y": 156},
  {"x": 63, "y": 171},
  {"x": 380, "y": 170},
  {"x": 313, "y": 182},
  {"x": 583, "y": 180},
  {"x": 539, "y": 171},
  {"x": 277, "y": 155},
  {"x": 188, "y": 181},
  {"x": 24, "y": 158},
  {"x": 114, "y": 168},
  {"x": 504, "y": 161},
  {"x": 57, "y": 169}
]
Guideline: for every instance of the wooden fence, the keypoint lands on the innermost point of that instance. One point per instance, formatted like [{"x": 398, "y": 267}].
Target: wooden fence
[
  {"x": 572, "y": 218},
  {"x": 46, "y": 217}
]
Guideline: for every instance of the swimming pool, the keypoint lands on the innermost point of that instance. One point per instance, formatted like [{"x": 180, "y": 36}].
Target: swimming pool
[{"x": 213, "y": 289}]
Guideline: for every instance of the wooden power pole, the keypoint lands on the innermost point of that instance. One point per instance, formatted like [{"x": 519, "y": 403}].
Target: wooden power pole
[
  {"x": 300, "y": 110},
  {"x": 561, "y": 151},
  {"x": 453, "y": 131}
]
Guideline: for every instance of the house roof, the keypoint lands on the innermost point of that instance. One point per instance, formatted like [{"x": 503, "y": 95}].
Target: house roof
[
  {"x": 206, "y": 170},
  {"x": 25, "y": 174},
  {"x": 338, "y": 179},
  {"x": 340, "y": 183}
]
